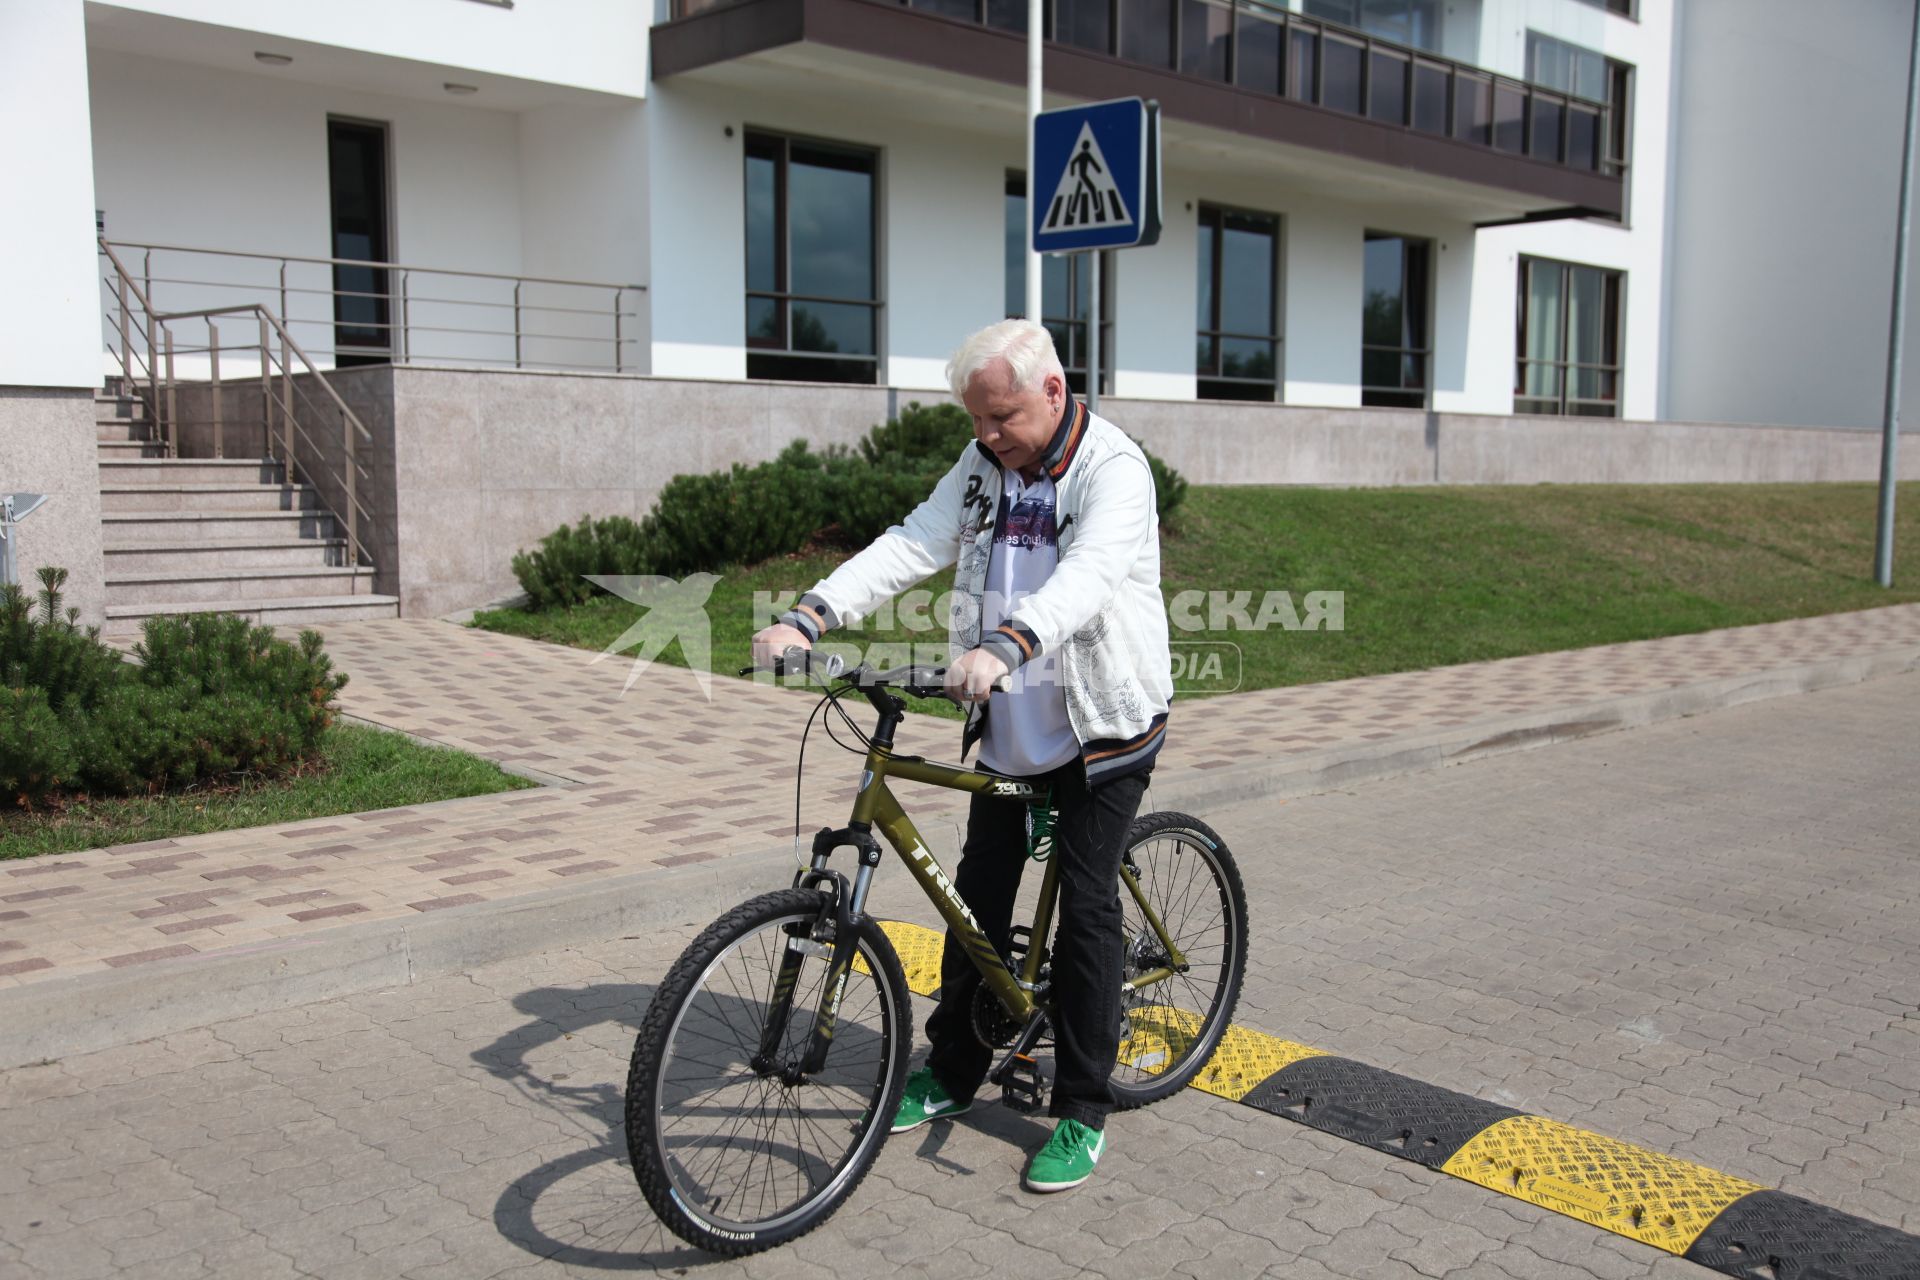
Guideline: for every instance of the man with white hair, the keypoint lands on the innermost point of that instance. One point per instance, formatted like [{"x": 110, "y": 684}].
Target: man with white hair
[{"x": 1049, "y": 519}]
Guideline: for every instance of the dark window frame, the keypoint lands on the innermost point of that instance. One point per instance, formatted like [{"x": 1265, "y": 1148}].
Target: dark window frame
[
  {"x": 1615, "y": 281},
  {"x": 1628, "y": 9},
  {"x": 1220, "y": 213},
  {"x": 1073, "y": 359},
  {"x": 1397, "y": 397},
  {"x": 792, "y": 364}
]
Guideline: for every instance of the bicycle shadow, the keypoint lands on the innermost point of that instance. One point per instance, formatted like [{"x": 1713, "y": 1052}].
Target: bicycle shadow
[{"x": 582, "y": 1208}]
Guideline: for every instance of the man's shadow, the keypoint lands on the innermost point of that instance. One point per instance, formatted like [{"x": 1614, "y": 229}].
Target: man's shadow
[{"x": 584, "y": 1207}]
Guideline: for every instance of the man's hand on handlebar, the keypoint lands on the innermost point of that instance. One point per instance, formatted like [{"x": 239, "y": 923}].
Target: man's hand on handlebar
[
  {"x": 770, "y": 642},
  {"x": 974, "y": 675}
]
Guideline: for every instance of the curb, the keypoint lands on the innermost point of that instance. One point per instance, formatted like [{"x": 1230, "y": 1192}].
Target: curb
[{"x": 65, "y": 1016}]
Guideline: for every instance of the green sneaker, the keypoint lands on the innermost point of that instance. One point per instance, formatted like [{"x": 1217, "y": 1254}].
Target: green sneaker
[
  {"x": 1068, "y": 1158},
  {"x": 924, "y": 1101}
]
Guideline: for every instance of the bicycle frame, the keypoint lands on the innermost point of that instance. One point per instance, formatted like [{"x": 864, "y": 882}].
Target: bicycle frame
[{"x": 875, "y": 805}]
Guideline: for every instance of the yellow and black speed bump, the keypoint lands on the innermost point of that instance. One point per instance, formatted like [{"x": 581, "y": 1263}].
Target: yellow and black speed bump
[
  {"x": 1726, "y": 1223},
  {"x": 1388, "y": 1112}
]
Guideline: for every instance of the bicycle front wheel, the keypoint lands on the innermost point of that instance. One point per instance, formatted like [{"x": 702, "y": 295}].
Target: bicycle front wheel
[
  {"x": 1179, "y": 999},
  {"x": 734, "y": 1150}
]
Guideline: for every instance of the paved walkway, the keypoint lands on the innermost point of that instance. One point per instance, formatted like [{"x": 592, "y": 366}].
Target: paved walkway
[
  {"x": 661, "y": 777},
  {"x": 1703, "y": 937}
]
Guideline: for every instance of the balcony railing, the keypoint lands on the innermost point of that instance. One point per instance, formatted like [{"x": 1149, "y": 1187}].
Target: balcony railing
[{"x": 1259, "y": 46}]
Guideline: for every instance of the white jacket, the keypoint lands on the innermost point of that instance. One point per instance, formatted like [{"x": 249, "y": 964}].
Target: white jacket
[{"x": 1100, "y": 611}]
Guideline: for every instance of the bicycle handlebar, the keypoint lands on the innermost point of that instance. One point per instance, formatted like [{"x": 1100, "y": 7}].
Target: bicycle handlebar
[{"x": 923, "y": 682}]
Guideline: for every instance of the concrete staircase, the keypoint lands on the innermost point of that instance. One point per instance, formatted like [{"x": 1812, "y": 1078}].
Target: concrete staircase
[{"x": 215, "y": 535}]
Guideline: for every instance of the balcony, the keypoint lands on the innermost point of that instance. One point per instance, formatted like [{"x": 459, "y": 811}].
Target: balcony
[{"x": 1244, "y": 66}]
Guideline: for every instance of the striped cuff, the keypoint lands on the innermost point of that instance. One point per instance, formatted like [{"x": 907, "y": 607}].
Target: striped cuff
[
  {"x": 1012, "y": 644},
  {"x": 812, "y": 617}
]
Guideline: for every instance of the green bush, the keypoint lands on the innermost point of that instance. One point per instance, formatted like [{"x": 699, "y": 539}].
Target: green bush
[
  {"x": 553, "y": 575},
  {"x": 212, "y": 695},
  {"x": 921, "y": 435},
  {"x": 748, "y": 514}
]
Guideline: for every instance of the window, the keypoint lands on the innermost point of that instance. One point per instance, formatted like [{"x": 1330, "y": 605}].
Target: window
[
  {"x": 1239, "y": 345},
  {"x": 1394, "y": 345},
  {"x": 812, "y": 313},
  {"x": 1625, "y": 8},
  {"x": 1569, "y": 339},
  {"x": 1066, "y": 287},
  {"x": 1414, "y": 22},
  {"x": 1584, "y": 73}
]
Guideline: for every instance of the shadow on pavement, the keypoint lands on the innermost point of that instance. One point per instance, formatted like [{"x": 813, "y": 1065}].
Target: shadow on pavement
[{"x": 582, "y": 1208}]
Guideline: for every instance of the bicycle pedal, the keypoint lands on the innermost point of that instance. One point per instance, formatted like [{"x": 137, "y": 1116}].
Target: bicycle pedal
[{"x": 1023, "y": 1088}]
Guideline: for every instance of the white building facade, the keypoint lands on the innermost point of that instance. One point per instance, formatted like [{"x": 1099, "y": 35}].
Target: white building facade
[{"x": 552, "y": 254}]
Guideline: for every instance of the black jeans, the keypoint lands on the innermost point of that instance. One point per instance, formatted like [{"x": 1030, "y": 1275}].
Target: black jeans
[{"x": 1089, "y": 837}]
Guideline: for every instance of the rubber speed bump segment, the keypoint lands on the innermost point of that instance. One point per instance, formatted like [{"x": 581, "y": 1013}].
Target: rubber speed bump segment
[
  {"x": 1621, "y": 1188},
  {"x": 1708, "y": 1217}
]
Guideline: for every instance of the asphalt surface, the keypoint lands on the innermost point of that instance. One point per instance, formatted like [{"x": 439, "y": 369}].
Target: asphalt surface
[{"x": 1702, "y": 937}]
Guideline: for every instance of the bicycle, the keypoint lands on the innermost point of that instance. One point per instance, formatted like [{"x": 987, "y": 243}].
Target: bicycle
[{"x": 784, "y": 1025}]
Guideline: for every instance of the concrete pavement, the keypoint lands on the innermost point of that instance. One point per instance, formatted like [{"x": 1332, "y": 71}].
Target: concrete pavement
[
  {"x": 1701, "y": 936},
  {"x": 664, "y": 799}
]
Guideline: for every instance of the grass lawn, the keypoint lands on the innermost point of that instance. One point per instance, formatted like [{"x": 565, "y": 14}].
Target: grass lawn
[
  {"x": 1438, "y": 576},
  {"x": 359, "y": 769}
]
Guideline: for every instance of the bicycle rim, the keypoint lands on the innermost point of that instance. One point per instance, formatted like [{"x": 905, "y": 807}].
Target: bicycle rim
[
  {"x": 1171, "y": 1023},
  {"x": 748, "y": 1155}
]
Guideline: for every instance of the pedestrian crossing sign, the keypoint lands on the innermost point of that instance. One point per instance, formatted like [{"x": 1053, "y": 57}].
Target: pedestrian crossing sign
[{"x": 1098, "y": 176}]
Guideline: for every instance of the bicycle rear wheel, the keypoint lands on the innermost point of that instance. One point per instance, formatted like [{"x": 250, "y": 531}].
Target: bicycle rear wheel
[
  {"x": 734, "y": 1158},
  {"x": 1174, "y": 1024}
]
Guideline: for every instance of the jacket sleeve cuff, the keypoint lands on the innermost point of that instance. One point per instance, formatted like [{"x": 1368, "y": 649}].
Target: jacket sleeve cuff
[
  {"x": 1012, "y": 643},
  {"x": 812, "y": 617}
]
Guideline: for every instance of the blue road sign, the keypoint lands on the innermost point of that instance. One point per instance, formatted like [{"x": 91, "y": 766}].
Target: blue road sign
[{"x": 1096, "y": 176}]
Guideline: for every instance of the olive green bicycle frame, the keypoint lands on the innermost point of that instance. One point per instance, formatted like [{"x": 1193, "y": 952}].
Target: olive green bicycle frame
[{"x": 875, "y": 806}]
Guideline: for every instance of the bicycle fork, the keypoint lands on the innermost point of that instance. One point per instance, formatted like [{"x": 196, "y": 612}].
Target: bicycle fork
[{"x": 848, "y": 904}]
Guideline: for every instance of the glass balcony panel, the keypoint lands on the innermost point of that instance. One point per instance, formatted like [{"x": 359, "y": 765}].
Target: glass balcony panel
[
  {"x": 1146, "y": 32},
  {"x": 1206, "y": 29},
  {"x": 1007, "y": 15},
  {"x": 1509, "y": 119},
  {"x": 1472, "y": 109},
  {"x": 1259, "y": 59},
  {"x": 966, "y": 10},
  {"x": 1548, "y": 114},
  {"x": 1340, "y": 65},
  {"x": 1302, "y": 81},
  {"x": 1429, "y": 98},
  {"x": 1387, "y": 88},
  {"x": 1084, "y": 24},
  {"x": 1583, "y": 137}
]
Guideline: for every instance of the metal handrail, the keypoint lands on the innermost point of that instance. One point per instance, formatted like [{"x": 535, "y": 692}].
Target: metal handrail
[
  {"x": 397, "y": 318},
  {"x": 377, "y": 266},
  {"x": 156, "y": 330}
]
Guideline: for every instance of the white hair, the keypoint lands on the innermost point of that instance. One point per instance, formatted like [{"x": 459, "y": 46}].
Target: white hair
[{"x": 1025, "y": 345}]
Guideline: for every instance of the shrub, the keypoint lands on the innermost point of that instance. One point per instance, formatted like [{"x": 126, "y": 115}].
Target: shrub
[
  {"x": 1169, "y": 486},
  {"x": 739, "y": 516},
  {"x": 922, "y": 435},
  {"x": 213, "y": 695},
  {"x": 553, "y": 575}
]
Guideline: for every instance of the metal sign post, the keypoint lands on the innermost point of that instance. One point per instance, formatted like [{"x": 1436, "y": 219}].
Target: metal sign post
[
  {"x": 1093, "y": 184},
  {"x": 14, "y": 507},
  {"x": 1890, "y": 424}
]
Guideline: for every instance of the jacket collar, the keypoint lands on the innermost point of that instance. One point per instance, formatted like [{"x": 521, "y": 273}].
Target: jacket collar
[{"x": 1060, "y": 450}]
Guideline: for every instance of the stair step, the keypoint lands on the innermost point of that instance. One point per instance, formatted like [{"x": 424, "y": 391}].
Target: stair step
[
  {"x": 201, "y": 585},
  {"x": 124, "y": 619},
  {"x": 120, "y": 499},
  {"x": 112, "y": 451},
  {"x": 121, "y": 429},
  {"x": 195, "y": 526},
  {"x": 186, "y": 471},
  {"x": 212, "y": 555}
]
